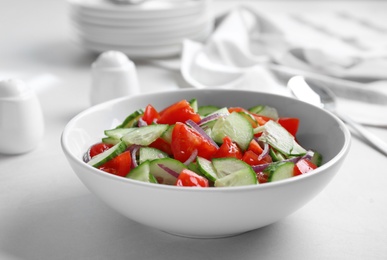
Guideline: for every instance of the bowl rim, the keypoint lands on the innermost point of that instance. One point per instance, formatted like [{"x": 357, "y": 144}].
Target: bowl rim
[{"x": 341, "y": 154}]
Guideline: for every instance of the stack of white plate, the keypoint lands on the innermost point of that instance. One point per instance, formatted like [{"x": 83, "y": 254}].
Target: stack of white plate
[{"x": 151, "y": 29}]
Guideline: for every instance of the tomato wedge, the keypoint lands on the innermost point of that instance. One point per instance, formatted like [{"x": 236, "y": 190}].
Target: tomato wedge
[
  {"x": 186, "y": 140},
  {"x": 162, "y": 145},
  {"x": 99, "y": 148},
  {"x": 150, "y": 114},
  {"x": 261, "y": 119},
  {"x": 228, "y": 149},
  {"x": 303, "y": 166},
  {"x": 255, "y": 147},
  {"x": 188, "y": 178},
  {"x": 262, "y": 177},
  {"x": 237, "y": 109},
  {"x": 178, "y": 112},
  {"x": 119, "y": 165},
  {"x": 290, "y": 124},
  {"x": 251, "y": 156}
]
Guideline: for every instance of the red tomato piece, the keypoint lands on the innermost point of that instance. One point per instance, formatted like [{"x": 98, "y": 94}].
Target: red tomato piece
[
  {"x": 252, "y": 153},
  {"x": 251, "y": 158},
  {"x": 261, "y": 119},
  {"x": 178, "y": 112},
  {"x": 185, "y": 140},
  {"x": 237, "y": 109},
  {"x": 303, "y": 166},
  {"x": 228, "y": 149},
  {"x": 262, "y": 177},
  {"x": 290, "y": 124},
  {"x": 99, "y": 148},
  {"x": 255, "y": 147},
  {"x": 150, "y": 114},
  {"x": 188, "y": 178},
  {"x": 162, "y": 145},
  {"x": 119, "y": 165}
]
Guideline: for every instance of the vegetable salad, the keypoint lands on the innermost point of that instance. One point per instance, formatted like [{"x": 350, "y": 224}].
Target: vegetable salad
[{"x": 185, "y": 144}]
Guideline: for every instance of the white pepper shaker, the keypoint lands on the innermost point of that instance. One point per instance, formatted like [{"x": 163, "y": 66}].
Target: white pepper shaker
[
  {"x": 21, "y": 118},
  {"x": 113, "y": 76}
]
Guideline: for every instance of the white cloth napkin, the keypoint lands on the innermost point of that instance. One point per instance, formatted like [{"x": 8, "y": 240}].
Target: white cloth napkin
[
  {"x": 245, "y": 41},
  {"x": 235, "y": 54}
]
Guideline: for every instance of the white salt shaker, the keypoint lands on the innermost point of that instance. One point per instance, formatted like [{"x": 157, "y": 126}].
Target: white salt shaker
[
  {"x": 113, "y": 76},
  {"x": 21, "y": 118}
]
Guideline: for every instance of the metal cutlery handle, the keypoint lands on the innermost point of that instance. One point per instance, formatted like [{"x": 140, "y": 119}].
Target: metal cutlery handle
[
  {"x": 372, "y": 139},
  {"x": 324, "y": 98}
]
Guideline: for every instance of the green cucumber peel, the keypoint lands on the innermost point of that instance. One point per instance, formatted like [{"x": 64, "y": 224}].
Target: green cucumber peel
[
  {"x": 142, "y": 173},
  {"x": 144, "y": 135},
  {"x": 132, "y": 119},
  {"x": 279, "y": 138},
  {"x": 107, "y": 155},
  {"x": 279, "y": 171},
  {"x": 150, "y": 154},
  {"x": 235, "y": 126},
  {"x": 207, "y": 168}
]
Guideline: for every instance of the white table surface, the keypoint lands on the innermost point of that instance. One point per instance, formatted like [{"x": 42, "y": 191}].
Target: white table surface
[{"x": 47, "y": 213}]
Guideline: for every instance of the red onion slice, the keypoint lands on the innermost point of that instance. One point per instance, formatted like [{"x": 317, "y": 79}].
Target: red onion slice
[
  {"x": 133, "y": 151},
  {"x": 86, "y": 156},
  {"x": 192, "y": 157},
  {"x": 169, "y": 170},
  {"x": 264, "y": 152},
  {"x": 198, "y": 129},
  {"x": 141, "y": 122},
  {"x": 309, "y": 154},
  {"x": 209, "y": 118},
  {"x": 260, "y": 167}
]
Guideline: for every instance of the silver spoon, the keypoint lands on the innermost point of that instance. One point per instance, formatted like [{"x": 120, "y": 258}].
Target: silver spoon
[{"x": 323, "y": 97}]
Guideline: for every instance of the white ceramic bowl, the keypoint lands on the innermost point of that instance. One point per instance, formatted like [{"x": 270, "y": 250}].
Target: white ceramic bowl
[{"x": 210, "y": 212}]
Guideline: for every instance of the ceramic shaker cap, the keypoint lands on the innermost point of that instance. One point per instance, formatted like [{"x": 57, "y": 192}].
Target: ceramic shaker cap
[
  {"x": 21, "y": 118},
  {"x": 113, "y": 76}
]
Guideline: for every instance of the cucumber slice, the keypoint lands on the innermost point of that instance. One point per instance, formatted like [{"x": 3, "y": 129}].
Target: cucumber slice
[
  {"x": 256, "y": 109},
  {"x": 279, "y": 138},
  {"x": 233, "y": 172},
  {"x": 249, "y": 117},
  {"x": 209, "y": 124},
  {"x": 118, "y": 133},
  {"x": 132, "y": 119},
  {"x": 167, "y": 135},
  {"x": 236, "y": 126},
  {"x": 150, "y": 154},
  {"x": 194, "y": 104},
  {"x": 107, "y": 155},
  {"x": 279, "y": 171},
  {"x": 227, "y": 166},
  {"x": 142, "y": 173},
  {"x": 158, "y": 169},
  {"x": 207, "y": 168},
  {"x": 193, "y": 166},
  {"x": 144, "y": 135},
  {"x": 276, "y": 156},
  {"x": 316, "y": 159},
  {"x": 243, "y": 177},
  {"x": 221, "y": 111},
  {"x": 206, "y": 110},
  {"x": 110, "y": 140},
  {"x": 265, "y": 111}
]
